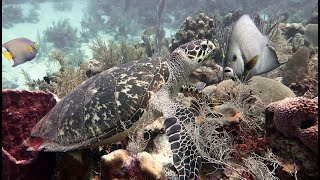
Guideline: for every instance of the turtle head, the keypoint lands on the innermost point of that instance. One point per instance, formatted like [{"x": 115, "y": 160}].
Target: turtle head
[{"x": 196, "y": 51}]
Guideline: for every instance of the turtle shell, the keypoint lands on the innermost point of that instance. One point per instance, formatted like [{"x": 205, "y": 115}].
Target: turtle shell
[{"x": 101, "y": 107}]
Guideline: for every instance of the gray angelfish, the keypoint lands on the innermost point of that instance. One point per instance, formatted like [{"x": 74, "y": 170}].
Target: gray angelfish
[{"x": 249, "y": 52}]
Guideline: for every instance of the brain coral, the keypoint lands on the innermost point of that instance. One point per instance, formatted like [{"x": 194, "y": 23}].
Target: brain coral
[{"x": 298, "y": 118}]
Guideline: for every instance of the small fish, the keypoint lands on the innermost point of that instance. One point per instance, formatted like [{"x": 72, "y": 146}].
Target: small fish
[
  {"x": 249, "y": 52},
  {"x": 150, "y": 31},
  {"x": 20, "y": 50}
]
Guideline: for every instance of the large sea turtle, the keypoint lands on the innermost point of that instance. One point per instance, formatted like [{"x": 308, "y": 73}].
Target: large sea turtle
[{"x": 104, "y": 107}]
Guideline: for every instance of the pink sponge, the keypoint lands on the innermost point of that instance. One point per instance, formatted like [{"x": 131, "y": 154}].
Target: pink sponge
[
  {"x": 298, "y": 117},
  {"x": 21, "y": 110}
]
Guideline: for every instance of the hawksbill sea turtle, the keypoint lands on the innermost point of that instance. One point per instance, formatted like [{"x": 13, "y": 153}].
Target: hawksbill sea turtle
[{"x": 103, "y": 108}]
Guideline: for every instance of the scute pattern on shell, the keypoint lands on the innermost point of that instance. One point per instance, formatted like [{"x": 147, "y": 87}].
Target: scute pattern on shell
[{"x": 98, "y": 108}]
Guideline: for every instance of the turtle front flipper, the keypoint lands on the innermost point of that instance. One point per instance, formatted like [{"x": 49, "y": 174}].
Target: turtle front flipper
[{"x": 186, "y": 158}]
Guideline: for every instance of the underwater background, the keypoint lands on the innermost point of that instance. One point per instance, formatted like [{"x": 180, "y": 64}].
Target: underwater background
[
  {"x": 70, "y": 26},
  {"x": 81, "y": 38}
]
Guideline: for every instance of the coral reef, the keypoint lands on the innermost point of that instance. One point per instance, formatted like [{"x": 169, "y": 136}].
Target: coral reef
[
  {"x": 21, "y": 110},
  {"x": 198, "y": 28},
  {"x": 267, "y": 90},
  {"x": 58, "y": 55},
  {"x": 282, "y": 47},
  {"x": 307, "y": 88},
  {"x": 43, "y": 49},
  {"x": 113, "y": 54},
  {"x": 62, "y": 35},
  {"x": 314, "y": 17},
  {"x": 60, "y": 5},
  {"x": 298, "y": 118},
  {"x": 76, "y": 57},
  {"x": 292, "y": 127},
  {"x": 120, "y": 165},
  {"x": 291, "y": 29},
  {"x": 91, "y": 24},
  {"x": 67, "y": 79},
  {"x": 33, "y": 15},
  {"x": 94, "y": 67},
  {"x": 297, "y": 66},
  {"x": 311, "y": 33},
  {"x": 11, "y": 16}
]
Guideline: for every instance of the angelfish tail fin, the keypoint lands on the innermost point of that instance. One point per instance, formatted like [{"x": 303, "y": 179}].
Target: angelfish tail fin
[{"x": 7, "y": 55}]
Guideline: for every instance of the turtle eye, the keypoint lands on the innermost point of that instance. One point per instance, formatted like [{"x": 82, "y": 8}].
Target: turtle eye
[
  {"x": 204, "y": 47},
  {"x": 234, "y": 57}
]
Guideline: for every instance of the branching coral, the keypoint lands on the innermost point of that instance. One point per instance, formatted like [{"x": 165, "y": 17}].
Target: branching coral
[
  {"x": 125, "y": 22},
  {"x": 62, "y": 35},
  {"x": 92, "y": 23},
  {"x": 11, "y": 16},
  {"x": 43, "y": 49},
  {"x": 33, "y": 15},
  {"x": 76, "y": 57},
  {"x": 112, "y": 54},
  {"x": 282, "y": 47},
  {"x": 66, "y": 80},
  {"x": 107, "y": 54},
  {"x": 58, "y": 55}
]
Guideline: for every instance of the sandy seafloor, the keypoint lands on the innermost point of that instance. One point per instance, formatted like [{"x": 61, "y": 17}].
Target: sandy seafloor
[{"x": 38, "y": 69}]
